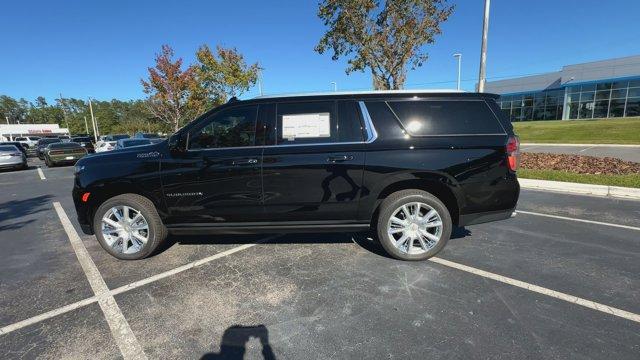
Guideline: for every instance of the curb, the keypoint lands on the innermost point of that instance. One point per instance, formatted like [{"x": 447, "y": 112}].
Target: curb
[
  {"x": 576, "y": 188},
  {"x": 582, "y": 145}
]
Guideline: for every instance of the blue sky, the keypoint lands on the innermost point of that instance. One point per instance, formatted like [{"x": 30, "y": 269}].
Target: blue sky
[{"x": 102, "y": 48}]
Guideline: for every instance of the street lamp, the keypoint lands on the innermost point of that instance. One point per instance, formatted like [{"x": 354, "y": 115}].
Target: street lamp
[{"x": 459, "y": 56}]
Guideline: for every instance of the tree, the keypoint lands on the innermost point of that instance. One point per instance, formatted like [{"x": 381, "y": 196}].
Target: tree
[
  {"x": 226, "y": 75},
  {"x": 384, "y": 39},
  {"x": 173, "y": 92}
]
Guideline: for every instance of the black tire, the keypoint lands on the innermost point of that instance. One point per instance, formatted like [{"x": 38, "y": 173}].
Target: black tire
[
  {"x": 395, "y": 201},
  {"x": 157, "y": 231},
  {"x": 48, "y": 162}
]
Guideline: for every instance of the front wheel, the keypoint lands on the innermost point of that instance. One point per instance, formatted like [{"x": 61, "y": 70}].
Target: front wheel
[
  {"x": 413, "y": 225},
  {"x": 129, "y": 227}
]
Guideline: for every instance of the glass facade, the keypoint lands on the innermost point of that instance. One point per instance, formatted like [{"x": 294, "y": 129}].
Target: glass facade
[
  {"x": 542, "y": 105},
  {"x": 606, "y": 99}
]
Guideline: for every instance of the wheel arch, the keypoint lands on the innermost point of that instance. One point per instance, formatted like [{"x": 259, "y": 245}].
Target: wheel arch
[
  {"x": 437, "y": 186},
  {"x": 102, "y": 193}
]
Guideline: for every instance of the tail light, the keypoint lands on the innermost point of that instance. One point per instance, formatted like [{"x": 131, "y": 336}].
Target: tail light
[
  {"x": 513, "y": 153},
  {"x": 56, "y": 152}
]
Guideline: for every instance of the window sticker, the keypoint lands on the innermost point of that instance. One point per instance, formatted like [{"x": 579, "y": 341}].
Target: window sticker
[{"x": 314, "y": 125}]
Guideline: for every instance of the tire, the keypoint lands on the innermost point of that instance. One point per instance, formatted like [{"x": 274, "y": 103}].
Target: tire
[
  {"x": 421, "y": 249},
  {"x": 156, "y": 231},
  {"x": 48, "y": 162}
]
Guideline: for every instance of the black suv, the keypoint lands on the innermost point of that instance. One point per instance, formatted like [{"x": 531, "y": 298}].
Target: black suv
[{"x": 408, "y": 164}]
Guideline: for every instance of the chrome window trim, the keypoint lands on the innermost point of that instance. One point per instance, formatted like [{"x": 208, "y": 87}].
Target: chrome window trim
[
  {"x": 372, "y": 134},
  {"x": 370, "y": 129}
]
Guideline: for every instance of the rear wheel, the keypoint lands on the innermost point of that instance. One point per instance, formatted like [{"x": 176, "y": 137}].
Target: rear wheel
[
  {"x": 413, "y": 225},
  {"x": 129, "y": 227}
]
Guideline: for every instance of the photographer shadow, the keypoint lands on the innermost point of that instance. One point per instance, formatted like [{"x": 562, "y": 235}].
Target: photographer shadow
[{"x": 235, "y": 339}]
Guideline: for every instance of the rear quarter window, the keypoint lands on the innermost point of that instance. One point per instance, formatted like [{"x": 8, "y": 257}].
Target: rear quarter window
[{"x": 446, "y": 117}]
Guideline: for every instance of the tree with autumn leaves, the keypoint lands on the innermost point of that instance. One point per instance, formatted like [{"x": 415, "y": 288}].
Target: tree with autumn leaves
[{"x": 177, "y": 94}]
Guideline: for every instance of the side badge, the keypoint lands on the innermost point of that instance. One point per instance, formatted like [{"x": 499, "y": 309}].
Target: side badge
[{"x": 153, "y": 154}]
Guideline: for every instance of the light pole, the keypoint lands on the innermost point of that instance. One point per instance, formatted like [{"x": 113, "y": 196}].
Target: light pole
[
  {"x": 93, "y": 122},
  {"x": 459, "y": 56},
  {"x": 260, "y": 80},
  {"x": 86, "y": 127},
  {"x": 482, "y": 76},
  {"x": 335, "y": 86}
]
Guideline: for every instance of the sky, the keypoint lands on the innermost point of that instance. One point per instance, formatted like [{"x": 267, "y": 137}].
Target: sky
[{"x": 101, "y": 49}]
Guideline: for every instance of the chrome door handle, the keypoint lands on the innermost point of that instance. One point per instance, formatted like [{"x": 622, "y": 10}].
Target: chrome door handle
[
  {"x": 245, "y": 162},
  {"x": 339, "y": 158}
]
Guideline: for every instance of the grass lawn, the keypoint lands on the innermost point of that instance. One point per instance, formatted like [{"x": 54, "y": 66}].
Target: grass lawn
[
  {"x": 630, "y": 180},
  {"x": 597, "y": 131}
]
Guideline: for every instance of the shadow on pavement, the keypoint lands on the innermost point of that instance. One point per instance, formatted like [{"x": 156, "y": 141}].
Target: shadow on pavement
[
  {"x": 365, "y": 239},
  {"x": 16, "y": 209},
  {"x": 234, "y": 342}
]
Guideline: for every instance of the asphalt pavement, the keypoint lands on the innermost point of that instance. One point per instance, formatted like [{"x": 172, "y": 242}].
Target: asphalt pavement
[
  {"x": 620, "y": 152},
  {"x": 540, "y": 285}
]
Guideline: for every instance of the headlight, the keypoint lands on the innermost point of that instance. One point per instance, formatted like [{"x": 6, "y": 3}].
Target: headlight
[{"x": 78, "y": 168}]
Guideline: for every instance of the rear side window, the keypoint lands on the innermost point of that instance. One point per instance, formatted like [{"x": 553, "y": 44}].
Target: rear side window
[
  {"x": 446, "y": 117},
  {"x": 306, "y": 123}
]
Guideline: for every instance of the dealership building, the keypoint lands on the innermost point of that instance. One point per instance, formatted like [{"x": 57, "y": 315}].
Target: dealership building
[
  {"x": 10, "y": 131},
  {"x": 600, "y": 89}
]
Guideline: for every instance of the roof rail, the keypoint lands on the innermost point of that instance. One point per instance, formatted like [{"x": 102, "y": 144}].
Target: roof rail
[{"x": 366, "y": 92}]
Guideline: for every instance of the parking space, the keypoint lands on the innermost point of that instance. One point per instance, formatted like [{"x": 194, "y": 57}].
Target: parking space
[{"x": 324, "y": 295}]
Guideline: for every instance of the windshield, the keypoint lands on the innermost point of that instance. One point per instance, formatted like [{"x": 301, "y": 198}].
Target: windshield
[
  {"x": 48, "y": 141},
  {"x": 8, "y": 148},
  {"x": 119, "y": 137}
]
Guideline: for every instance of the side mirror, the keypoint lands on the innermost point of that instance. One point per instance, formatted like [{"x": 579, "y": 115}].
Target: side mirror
[{"x": 178, "y": 144}]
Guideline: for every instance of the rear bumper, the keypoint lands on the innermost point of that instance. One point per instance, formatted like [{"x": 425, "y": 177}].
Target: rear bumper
[{"x": 484, "y": 217}]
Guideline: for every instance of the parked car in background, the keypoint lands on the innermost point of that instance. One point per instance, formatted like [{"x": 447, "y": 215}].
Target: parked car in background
[
  {"x": 64, "y": 138},
  {"x": 30, "y": 141},
  {"x": 21, "y": 146},
  {"x": 11, "y": 157},
  {"x": 105, "y": 146},
  {"x": 114, "y": 138},
  {"x": 140, "y": 135},
  {"x": 63, "y": 153},
  {"x": 409, "y": 165},
  {"x": 84, "y": 141},
  {"x": 127, "y": 143},
  {"x": 42, "y": 144}
]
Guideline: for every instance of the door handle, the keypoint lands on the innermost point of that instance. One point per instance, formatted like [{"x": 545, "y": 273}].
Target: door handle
[
  {"x": 339, "y": 158},
  {"x": 245, "y": 162}
]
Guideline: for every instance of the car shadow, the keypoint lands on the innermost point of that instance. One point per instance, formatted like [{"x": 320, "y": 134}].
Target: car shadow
[
  {"x": 16, "y": 209},
  {"x": 365, "y": 239},
  {"x": 233, "y": 344}
]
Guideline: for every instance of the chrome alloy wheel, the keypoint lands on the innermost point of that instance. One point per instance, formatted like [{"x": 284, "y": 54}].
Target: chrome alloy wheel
[
  {"x": 415, "y": 228},
  {"x": 125, "y": 229}
]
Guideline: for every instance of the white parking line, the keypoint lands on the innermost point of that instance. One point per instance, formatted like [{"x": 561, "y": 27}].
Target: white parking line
[
  {"x": 41, "y": 174},
  {"x": 38, "y": 318},
  {"x": 579, "y": 220},
  {"x": 48, "y": 315},
  {"x": 541, "y": 290},
  {"x": 120, "y": 329}
]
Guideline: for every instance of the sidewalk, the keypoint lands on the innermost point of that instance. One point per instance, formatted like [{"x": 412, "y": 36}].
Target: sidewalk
[{"x": 585, "y": 189}]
